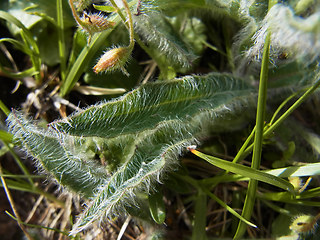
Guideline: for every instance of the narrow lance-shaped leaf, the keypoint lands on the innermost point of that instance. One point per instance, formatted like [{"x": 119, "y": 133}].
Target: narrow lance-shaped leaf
[
  {"x": 155, "y": 153},
  {"x": 153, "y": 103},
  {"x": 246, "y": 171},
  {"x": 79, "y": 175}
]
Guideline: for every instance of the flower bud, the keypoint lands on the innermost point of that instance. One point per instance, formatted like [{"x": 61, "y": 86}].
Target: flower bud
[
  {"x": 304, "y": 224},
  {"x": 93, "y": 23},
  {"x": 112, "y": 60}
]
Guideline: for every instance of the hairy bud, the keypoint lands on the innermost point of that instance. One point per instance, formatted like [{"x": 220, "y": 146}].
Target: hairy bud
[
  {"x": 304, "y": 224},
  {"x": 113, "y": 59},
  {"x": 93, "y": 23}
]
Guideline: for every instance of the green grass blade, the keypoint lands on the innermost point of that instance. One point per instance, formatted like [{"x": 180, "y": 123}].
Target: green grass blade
[
  {"x": 283, "y": 196},
  {"x": 291, "y": 109},
  {"x": 22, "y": 47},
  {"x": 4, "y": 108},
  {"x": 82, "y": 61},
  {"x": 26, "y": 73},
  {"x": 21, "y": 186},
  {"x": 286, "y": 199},
  {"x": 10, "y": 18},
  {"x": 200, "y": 217},
  {"x": 27, "y": 187},
  {"x": 258, "y": 138},
  {"x": 224, "y": 205},
  {"x": 61, "y": 43},
  {"x": 30, "y": 43},
  {"x": 5, "y": 136},
  {"x": 246, "y": 171},
  {"x": 311, "y": 169},
  {"x": 18, "y": 45},
  {"x": 39, "y": 226},
  {"x": 21, "y": 176}
]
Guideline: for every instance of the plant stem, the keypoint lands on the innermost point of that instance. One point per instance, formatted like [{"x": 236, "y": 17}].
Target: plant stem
[
  {"x": 239, "y": 155},
  {"x": 281, "y": 106},
  {"x": 138, "y": 40},
  {"x": 129, "y": 24},
  {"x": 200, "y": 214},
  {"x": 258, "y": 138},
  {"x": 62, "y": 46},
  {"x": 284, "y": 116},
  {"x": 293, "y": 107},
  {"x": 75, "y": 14}
]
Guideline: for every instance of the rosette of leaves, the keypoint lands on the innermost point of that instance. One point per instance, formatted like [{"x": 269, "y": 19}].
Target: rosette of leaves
[{"x": 137, "y": 137}]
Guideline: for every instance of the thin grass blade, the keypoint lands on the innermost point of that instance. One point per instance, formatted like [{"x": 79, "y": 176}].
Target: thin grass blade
[{"x": 246, "y": 171}]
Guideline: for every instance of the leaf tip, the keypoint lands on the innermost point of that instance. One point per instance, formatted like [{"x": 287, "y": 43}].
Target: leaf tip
[{"x": 192, "y": 148}]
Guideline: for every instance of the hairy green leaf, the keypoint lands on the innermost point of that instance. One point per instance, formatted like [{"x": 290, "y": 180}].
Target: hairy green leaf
[
  {"x": 297, "y": 36},
  {"x": 155, "y": 152},
  {"x": 51, "y": 150},
  {"x": 160, "y": 34},
  {"x": 139, "y": 135},
  {"x": 144, "y": 108}
]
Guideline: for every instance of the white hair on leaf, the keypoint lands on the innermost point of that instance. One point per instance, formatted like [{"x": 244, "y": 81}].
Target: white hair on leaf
[{"x": 290, "y": 33}]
